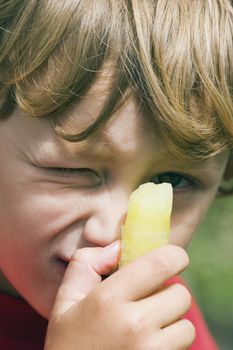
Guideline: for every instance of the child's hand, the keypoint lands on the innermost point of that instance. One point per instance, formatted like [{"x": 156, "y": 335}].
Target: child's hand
[{"x": 129, "y": 310}]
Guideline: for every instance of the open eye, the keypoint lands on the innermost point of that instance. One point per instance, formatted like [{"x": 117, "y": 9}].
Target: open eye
[{"x": 177, "y": 180}]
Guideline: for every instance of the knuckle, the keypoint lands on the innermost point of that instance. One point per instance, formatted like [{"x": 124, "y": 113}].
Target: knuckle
[
  {"x": 133, "y": 326},
  {"x": 102, "y": 302}
]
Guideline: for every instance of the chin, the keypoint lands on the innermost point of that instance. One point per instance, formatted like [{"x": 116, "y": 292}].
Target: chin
[
  {"x": 43, "y": 311},
  {"x": 42, "y": 303}
]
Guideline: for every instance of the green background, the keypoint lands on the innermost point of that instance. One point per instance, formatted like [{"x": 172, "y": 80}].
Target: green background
[{"x": 210, "y": 274}]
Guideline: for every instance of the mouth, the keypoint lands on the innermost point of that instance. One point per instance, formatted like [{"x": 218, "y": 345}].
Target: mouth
[{"x": 62, "y": 263}]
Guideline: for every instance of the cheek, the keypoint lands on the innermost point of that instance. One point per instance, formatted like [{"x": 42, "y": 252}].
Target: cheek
[
  {"x": 34, "y": 226},
  {"x": 187, "y": 216},
  {"x": 39, "y": 212},
  {"x": 184, "y": 226}
]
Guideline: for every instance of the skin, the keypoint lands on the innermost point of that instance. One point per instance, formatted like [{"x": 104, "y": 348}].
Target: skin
[{"x": 52, "y": 217}]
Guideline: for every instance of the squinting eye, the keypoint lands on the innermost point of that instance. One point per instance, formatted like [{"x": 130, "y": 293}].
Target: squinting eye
[
  {"x": 82, "y": 176},
  {"x": 72, "y": 171},
  {"x": 177, "y": 181}
]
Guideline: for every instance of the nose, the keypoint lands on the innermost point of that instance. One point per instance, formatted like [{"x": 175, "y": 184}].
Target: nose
[{"x": 108, "y": 215}]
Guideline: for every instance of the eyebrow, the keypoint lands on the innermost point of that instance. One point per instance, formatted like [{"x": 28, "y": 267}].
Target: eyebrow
[
  {"x": 93, "y": 151},
  {"x": 53, "y": 152},
  {"x": 107, "y": 151}
]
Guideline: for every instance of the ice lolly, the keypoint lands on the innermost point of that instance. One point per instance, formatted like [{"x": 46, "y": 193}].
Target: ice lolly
[{"x": 147, "y": 224}]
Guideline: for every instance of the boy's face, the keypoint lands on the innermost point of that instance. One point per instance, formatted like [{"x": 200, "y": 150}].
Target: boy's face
[{"x": 48, "y": 211}]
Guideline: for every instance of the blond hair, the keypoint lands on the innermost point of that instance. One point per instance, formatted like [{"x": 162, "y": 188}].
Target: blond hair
[{"x": 176, "y": 56}]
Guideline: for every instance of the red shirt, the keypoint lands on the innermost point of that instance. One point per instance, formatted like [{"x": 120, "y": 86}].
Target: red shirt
[
  {"x": 21, "y": 328},
  {"x": 204, "y": 340}
]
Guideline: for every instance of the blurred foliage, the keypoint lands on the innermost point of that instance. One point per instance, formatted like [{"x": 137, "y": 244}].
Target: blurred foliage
[{"x": 210, "y": 274}]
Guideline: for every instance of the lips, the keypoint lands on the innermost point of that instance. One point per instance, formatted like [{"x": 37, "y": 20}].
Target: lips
[{"x": 62, "y": 264}]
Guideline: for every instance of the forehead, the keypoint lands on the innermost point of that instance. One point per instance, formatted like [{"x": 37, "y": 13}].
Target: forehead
[
  {"x": 127, "y": 128},
  {"x": 125, "y": 132},
  {"x": 127, "y": 140}
]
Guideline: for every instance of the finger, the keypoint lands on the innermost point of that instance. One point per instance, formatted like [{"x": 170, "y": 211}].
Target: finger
[
  {"x": 147, "y": 274},
  {"x": 83, "y": 273},
  {"x": 167, "y": 305},
  {"x": 181, "y": 334}
]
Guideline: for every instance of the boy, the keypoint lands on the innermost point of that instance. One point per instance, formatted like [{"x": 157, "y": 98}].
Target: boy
[{"x": 96, "y": 98}]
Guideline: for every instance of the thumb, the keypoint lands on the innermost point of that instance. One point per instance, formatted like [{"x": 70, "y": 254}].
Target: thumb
[{"x": 83, "y": 273}]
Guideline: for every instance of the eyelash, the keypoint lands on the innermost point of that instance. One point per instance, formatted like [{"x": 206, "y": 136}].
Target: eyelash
[
  {"x": 164, "y": 177},
  {"x": 72, "y": 171},
  {"x": 167, "y": 177}
]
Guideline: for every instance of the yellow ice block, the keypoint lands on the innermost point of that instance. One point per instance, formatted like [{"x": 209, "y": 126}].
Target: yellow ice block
[{"x": 147, "y": 225}]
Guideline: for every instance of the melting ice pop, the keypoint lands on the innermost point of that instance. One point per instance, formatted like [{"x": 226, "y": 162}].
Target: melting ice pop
[{"x": 147, "y": 224}]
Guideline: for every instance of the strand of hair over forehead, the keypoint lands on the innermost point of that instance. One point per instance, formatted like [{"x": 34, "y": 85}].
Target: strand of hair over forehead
[
  {"x": 168, "y": 71},
  {"x": 188, "y": 62},
  {"x": 58, "y": 49},
  {"x": 175, "y": 55}
]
